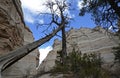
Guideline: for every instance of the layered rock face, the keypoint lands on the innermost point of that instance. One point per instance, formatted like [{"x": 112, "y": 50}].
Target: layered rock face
[
  {"x": 85, "y": 40},
  {"x": 11, "y": 35},
  {"x": 14, "y": 34}
]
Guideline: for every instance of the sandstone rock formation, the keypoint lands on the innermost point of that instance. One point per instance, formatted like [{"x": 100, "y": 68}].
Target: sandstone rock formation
[
  {"x": 13, "y": 34},
  {"x": 85, "y": 40}
]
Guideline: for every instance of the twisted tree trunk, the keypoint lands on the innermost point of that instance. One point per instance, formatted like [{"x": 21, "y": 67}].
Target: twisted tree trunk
[{"x": 12, "y": 57}]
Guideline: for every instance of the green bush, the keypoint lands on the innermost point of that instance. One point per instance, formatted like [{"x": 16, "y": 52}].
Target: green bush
[
  {"x": 117, "y": 53},
  {"x": 80, "y": 65}
]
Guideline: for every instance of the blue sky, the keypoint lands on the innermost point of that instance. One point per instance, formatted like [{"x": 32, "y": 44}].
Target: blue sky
[{"x": 31, "y": 9}]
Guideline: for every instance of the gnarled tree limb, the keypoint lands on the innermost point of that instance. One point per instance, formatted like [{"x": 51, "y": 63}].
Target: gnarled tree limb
[{"x": 12, "y": 57}]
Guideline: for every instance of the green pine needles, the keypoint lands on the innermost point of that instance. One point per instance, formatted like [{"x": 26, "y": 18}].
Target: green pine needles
[
  {"x": 78, "y": 65},
  {"x": 117, "y": 53}
]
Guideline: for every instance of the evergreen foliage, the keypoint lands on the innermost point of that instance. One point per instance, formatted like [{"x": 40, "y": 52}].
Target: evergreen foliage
[
  {"x": 117, "y": 53},
  {"x": 104, "y": 12},
  {"x": 79, "y": 65},
  {"x": 117, "y": 50}
]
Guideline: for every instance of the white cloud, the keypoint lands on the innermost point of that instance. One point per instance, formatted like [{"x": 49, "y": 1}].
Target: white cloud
[
  {"x": 28, "y": 16},
  {"x": 41, "y": 21},
  {"x": 34, "y": 7},
  {"x": 44, "y": 52},
  {"x": 31, "y": 8},
  {"x": 80, "y": 4},
  {"x": 67, "y": 12},
  {"x": 110, "y": 27}
]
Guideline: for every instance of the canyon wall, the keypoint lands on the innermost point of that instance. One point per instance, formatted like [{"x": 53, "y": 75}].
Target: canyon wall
[
  {"x": 14, "y": 34},
  {"x": 85, "y": 40}
]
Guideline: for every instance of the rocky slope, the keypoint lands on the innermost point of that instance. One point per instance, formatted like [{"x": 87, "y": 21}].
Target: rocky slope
[
  {"x": 14, "y": 34},
  {"x": 85, "y": 40}
]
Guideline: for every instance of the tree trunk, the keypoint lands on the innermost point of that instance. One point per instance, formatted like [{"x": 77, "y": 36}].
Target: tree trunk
[
  {"x": 12, "y": 57},
  {"x": 64, "y": 52}
]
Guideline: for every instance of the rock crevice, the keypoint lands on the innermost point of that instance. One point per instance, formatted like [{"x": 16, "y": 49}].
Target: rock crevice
[{"x": 14, "y": 34}]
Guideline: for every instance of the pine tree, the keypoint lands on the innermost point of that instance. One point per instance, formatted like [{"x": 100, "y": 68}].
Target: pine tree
[{"x": 78, "y": 65}]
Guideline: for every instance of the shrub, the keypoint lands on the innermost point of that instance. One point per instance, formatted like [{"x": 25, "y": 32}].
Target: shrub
[{"x": 80, "y": 65}]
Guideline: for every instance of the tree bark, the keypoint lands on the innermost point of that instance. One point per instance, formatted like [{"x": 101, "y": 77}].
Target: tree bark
[
  {"x": 12, "y": 57},
  {"x": 64, "y": 52}
]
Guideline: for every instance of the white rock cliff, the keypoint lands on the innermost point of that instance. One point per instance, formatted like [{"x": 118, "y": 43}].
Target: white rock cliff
[
  {"x": 85, "y": 40},
  {"x": 13, "y": 34}
]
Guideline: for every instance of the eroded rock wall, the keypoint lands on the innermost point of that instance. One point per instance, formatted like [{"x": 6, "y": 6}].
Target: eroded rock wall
[
  {"x": 11, "y": 35},
  {"x": 85, "y": 40},
  {"x": 14, "y": 34}
]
